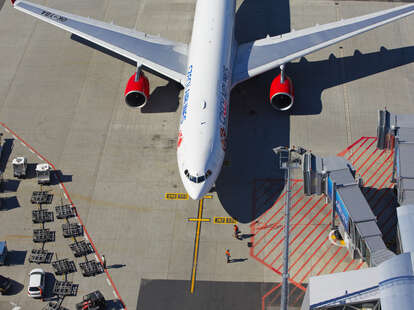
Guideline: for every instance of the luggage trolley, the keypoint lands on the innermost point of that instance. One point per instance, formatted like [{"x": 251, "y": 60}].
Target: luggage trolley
[
  {"x": 72, "y": 230},
  {"x": 64, "y": 266},
  {"x": 65, "y": 288},
  {"x": 40, "y": 256},
  {"x": 91, "y": 268},
  {"x": 81, "y": 248}
]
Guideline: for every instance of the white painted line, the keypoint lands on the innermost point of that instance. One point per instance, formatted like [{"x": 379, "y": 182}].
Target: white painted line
[
  {"x": 31, "y": 151},
  {"x": 7, "y": 130},
  {"x": 60, "y": 185},
  {"x": 39, "y": 157},
  {"x": 22, "y": 143},
  {"x": 109, "y": 283},
  {"x": 64, "y": 194},
  {"x": 96, "y": 257},
  {"x": 115, "y": 294}
]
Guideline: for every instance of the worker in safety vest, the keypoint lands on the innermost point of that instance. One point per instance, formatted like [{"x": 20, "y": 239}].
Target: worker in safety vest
[{"x": 228, "y": 257}]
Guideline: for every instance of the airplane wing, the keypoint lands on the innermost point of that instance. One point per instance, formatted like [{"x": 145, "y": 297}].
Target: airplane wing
[
  {"x": 163, "y": 56},
  {"x": 259, "y": 56}
]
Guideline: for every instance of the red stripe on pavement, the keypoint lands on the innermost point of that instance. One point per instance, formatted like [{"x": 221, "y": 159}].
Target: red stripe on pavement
[
  {"x": 307, "y": 261},
  {"x": 302, "y": 230},
  {"x": 327, "y": 263},
  {"x": 379, "y": 168},
  {"x": 290, "y": 231},
  {"x": 356, "y": 151},
  {"x": 350, "y": 147},
  {"x": 262, "y": 217},
  {"x": 311, "y": 244},
  {"x": 338, "y": 263},
  {"x": 349, "y": 265},
  {"x": 366, "y": 149},
  {"x": 372, "y": 164},
  {"x": 381, "y": 175},
  {"x": 367, "y": 160},
  {"x": 268, "y": 293},
  {"x": 275, "y": 224}
]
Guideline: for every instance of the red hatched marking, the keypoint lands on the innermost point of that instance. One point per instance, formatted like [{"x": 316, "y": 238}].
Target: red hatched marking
[
  {"x": 366, "y": 149},
  {"x": 375, "y": 169},
  {"x": 356, "y": 151},
  {"x": 73, "y": 206}
]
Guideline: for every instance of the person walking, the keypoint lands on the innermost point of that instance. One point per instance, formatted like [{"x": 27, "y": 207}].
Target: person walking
[
  {"x": 228, "y": 257},
  {"x": 236, "y": 231}
]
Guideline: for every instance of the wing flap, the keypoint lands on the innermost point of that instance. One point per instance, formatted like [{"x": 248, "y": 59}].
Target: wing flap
[
  {"x": 163, "y": 56},
  {"x": 257, "y": 57}
]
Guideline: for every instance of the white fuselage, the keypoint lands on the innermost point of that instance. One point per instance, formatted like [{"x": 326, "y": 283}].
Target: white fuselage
[{"x": 203, "y": 126}]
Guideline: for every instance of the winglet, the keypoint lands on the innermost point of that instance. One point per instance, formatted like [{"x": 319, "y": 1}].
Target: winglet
[{"x": 13, "y": 1}]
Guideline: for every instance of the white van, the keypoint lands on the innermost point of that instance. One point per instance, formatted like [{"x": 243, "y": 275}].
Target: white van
[{"x": 36, "y": 283}]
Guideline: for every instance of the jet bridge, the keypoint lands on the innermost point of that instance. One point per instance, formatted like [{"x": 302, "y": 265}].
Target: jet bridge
[{"x": 335, "y": 177}]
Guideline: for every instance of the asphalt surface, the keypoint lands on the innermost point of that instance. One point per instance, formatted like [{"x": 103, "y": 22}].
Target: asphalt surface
[{"x": 66, "y": 100}]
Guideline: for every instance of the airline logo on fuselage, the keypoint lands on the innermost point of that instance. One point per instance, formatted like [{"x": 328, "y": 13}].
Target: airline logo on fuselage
[{"x": 186, "y": 93}]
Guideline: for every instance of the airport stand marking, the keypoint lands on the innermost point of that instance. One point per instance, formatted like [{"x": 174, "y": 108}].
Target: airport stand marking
[
  {"x": 224, "y": 220},
  {"x": 176, "y": 196},
  {"x": 196, "y": 244}
]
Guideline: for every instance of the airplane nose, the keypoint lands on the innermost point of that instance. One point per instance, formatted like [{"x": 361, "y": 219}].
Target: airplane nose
[{"x": 194, "y": 191}]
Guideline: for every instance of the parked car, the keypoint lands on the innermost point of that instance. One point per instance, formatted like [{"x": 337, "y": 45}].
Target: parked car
[
  {"x": 36, "y": 283},
  {"x": 5, "y": 284}
]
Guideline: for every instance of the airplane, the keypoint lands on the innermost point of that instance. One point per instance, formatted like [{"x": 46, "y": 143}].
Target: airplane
[{"x": 208, "y": 68}]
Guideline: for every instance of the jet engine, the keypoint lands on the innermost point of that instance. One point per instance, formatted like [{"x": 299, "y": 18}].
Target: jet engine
[
  {"x": 137, "y": 91},
  {"x": 281, "y": 93}
]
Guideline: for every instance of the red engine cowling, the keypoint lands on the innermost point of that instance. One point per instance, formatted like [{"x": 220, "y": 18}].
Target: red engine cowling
[
  {"x": 282, "y": 94},
  {"x": 137, "y": 92}
]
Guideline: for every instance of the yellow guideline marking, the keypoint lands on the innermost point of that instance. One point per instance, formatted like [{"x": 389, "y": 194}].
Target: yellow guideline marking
[
  {"x": 196, "y": 243},
  {"x": 208, "y": 197},
  {"x": 224, "y": 220},
  {"x": 176, "y": 196},
  {"x": 199, "y": 220}
]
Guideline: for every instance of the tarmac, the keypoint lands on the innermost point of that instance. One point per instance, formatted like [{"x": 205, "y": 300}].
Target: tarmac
[{"x": 66, "y": 101}]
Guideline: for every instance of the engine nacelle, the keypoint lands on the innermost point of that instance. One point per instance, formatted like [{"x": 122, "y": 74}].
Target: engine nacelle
[
  {"x": 282, "y": 94},
  {"x": 137, "y": 92}
]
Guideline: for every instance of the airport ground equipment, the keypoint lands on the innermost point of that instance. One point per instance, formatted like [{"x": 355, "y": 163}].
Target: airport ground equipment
[
  {"x": 42, "y": 216},
  {"x": 91, "y": 268},
  {"x": 40, "y": 256},
  {"x": 43, "y": 235},
  {"x": 54, "y": 305},
  {"x": 43, "y": 173},
  {"x": 72, "y": 230},
  {"x": 64, "y": 211},
  {"x": 65, "y": 288},
  {"x": 92, "y": 301},
  {"x": 3, "y": 252},
  {"x": 19, "y": 167},
  {"x": 335, "y": 177},
  {"x": 64, "y": 266},
  {"x": 41, "y": 197},
  {"x": 81, "y": 248}
]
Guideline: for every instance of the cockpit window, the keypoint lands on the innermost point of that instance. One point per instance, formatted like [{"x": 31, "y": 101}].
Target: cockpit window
[{"x": 198, "y": 179}]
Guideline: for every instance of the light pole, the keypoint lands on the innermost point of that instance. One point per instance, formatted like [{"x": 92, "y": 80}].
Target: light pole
[{"x": 286, "y": 163}]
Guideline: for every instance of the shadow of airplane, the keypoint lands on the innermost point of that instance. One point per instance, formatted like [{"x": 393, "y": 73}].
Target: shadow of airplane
[{"x": 2, "y": 3}]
